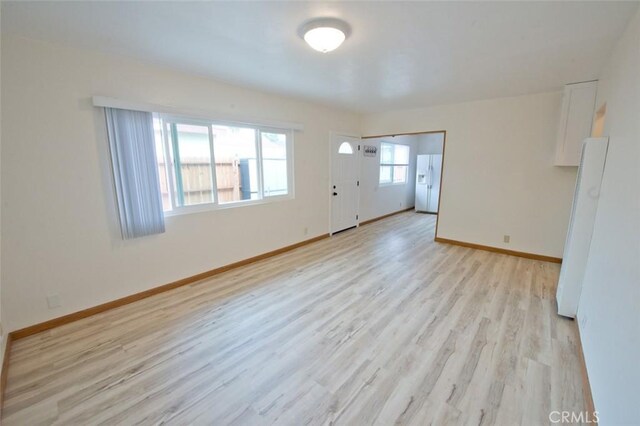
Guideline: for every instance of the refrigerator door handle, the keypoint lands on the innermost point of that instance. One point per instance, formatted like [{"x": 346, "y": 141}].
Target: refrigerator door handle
[{"x": 430, "y": 176}]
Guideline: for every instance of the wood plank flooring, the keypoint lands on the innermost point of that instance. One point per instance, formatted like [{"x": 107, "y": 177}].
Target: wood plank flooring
[{"x": 377, "y": 325}]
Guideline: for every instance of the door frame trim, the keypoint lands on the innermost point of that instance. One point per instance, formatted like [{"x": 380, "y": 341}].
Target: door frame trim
[
  {"x": 444, "y": 149},
  {"x": 333, "y": 135}
]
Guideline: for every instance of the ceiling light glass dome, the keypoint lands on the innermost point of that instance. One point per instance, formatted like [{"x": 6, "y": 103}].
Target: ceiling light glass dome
[{"x": 325, "y": 34}]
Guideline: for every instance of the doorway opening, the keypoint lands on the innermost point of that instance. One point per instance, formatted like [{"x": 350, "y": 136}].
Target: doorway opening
[{"x": 420, "y": 171}]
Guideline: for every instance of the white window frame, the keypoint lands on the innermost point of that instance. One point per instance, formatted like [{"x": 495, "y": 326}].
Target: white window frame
[
  {"x": 216, "y": 205},
  {"x": 392, "y": 183},
  {"x": 289, "y": 145}
]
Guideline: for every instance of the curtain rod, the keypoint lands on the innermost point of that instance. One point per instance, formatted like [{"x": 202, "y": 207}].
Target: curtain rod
[{"x": 104, "y": 101}]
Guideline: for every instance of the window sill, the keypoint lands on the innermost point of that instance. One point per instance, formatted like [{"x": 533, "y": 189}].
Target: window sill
[
  {"x": 207, "y": 207},
  {"x": 381, "y": 185}
]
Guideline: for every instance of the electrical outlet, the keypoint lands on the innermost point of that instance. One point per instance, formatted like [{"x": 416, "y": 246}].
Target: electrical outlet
[
  {"x": 53, "y": 301},
  {"x": 507, "y": 238},
  {"x": 306, "y": 230}
]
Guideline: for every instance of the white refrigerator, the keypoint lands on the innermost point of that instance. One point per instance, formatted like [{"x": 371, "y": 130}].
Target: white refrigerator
[
  {"x": 583, "y": 215},
  {"x": 428, "y": 170}
]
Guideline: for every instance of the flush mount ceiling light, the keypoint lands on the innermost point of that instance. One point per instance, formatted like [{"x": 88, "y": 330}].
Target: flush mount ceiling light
[{"x": 324, "y": 34}]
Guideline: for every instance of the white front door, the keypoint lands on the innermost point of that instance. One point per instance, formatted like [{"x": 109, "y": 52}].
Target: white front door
[{"x": 345, "y": 163}]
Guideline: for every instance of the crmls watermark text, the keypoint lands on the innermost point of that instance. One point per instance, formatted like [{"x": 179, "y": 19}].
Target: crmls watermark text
[{"x": 573, "y": 417}]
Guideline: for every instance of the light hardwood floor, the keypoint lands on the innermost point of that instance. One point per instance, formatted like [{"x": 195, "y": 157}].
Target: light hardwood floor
[{"x": 378, "y": 325}]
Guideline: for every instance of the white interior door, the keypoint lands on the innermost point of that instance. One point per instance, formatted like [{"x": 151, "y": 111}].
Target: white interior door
[{"x": 344, "y": 182}]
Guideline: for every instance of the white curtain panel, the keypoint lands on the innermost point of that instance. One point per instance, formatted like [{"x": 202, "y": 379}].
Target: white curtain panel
[{"x": 135, "y": 172}]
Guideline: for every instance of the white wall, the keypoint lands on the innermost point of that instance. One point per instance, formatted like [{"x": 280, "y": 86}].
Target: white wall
[
  {"x": 609, "y": 310},
  {"x": 376, "y": 200},
  {"x": 59, "y": 216},
  {"x": 430, "y": 143},
  {"x": 499, "y": 176}
]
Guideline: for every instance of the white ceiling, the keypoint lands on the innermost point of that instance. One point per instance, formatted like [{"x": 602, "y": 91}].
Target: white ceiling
[{"x": 399, "y": 55}]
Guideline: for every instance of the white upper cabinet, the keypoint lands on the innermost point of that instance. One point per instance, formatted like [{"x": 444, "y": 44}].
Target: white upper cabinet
[{"x": 576, "y": 118}]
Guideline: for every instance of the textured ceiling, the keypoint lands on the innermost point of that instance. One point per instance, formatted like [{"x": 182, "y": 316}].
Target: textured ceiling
[{"x": 400, "y": 55}]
